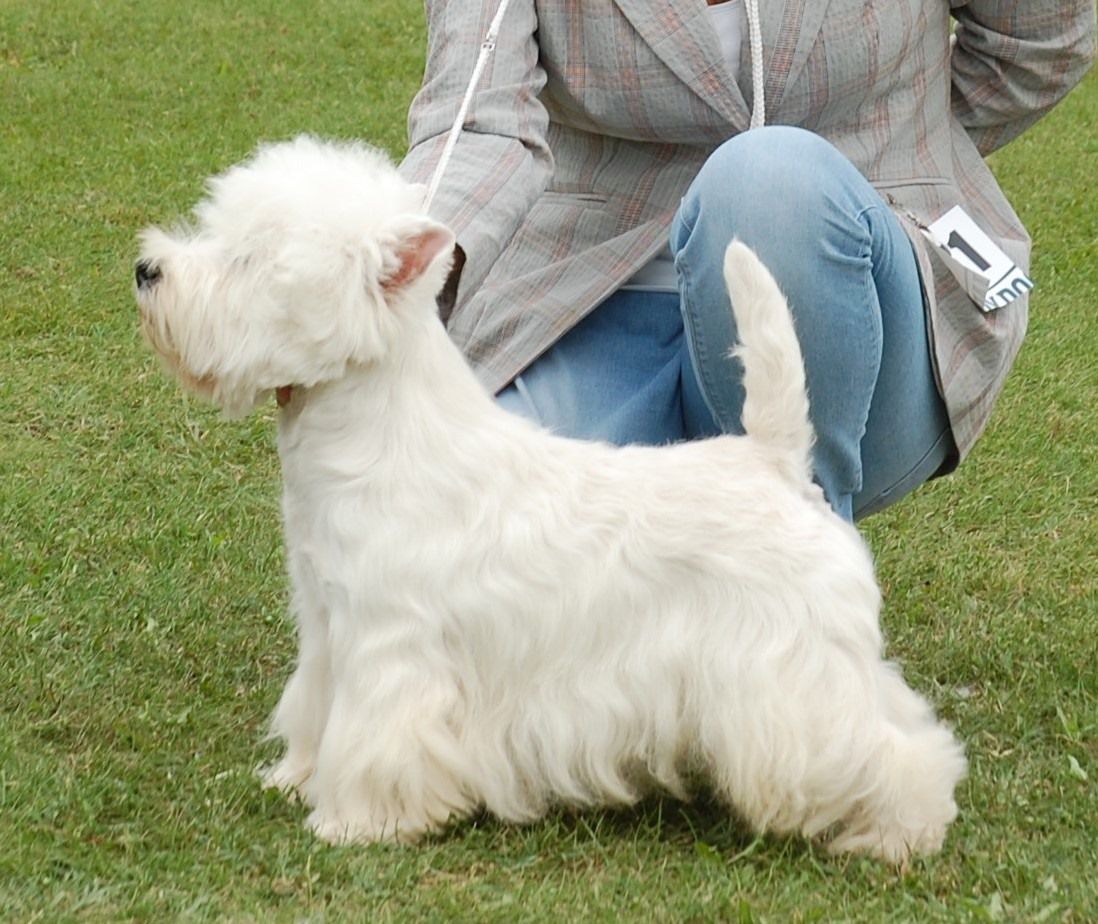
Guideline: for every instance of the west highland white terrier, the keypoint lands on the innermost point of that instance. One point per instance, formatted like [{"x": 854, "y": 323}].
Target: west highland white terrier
[{"x": 494, "y": 617}]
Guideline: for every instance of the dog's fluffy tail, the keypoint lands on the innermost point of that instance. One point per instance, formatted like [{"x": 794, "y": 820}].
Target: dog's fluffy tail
[{"x": 775, "y": 408}]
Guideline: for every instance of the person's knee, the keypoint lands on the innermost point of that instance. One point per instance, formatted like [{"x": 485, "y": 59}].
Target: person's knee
[
  {"x": 779, "y": 156},
  {"x": 762, "y": 149},
  {"x": 768, "y": 177}
]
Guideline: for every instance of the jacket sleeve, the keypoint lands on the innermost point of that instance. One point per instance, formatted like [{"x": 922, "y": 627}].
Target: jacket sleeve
[
  {"x": 1013, "y": 60},
  {"x": 501, "y": 163}
]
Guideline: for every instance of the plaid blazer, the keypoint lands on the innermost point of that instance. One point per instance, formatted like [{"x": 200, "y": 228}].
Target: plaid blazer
[{"x": 594, "y": 116}]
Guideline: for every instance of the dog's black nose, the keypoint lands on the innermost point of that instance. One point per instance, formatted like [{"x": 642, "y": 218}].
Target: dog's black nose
[{"x": 145, "y": 274}]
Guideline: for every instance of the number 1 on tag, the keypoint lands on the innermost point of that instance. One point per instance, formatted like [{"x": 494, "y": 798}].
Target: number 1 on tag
[{"x": 989, "y": 276}]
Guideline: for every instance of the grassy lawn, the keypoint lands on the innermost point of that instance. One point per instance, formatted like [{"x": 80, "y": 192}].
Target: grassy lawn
[{"x": 142, "y": 635}]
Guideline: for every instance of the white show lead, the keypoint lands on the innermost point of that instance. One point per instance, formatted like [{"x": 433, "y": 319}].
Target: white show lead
[{"x": 486, "y": 49}]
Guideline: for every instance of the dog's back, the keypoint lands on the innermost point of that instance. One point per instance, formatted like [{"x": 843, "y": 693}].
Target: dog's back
[{"x": 775, "y": 408}]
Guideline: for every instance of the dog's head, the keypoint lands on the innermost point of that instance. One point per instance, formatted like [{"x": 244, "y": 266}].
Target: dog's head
[{"x": 299, "y": 264}]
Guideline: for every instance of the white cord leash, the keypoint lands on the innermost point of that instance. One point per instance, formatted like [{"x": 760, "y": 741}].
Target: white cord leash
[
  {"x": 486, "y": 49},
  {"x": 758, "y": 83},
  {"x": 758, "y": 109}
]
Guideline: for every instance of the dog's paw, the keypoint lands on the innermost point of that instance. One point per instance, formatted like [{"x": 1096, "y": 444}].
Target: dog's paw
[
  {"x": 286, "y": 776},
  {"x": 896, "y": 845},
  {"x": 339, "y": 831}
]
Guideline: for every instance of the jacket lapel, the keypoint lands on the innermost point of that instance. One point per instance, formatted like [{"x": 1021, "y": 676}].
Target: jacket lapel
[
  {"x": 790, "y": 29},
  {"x": 680, "y": 34}
]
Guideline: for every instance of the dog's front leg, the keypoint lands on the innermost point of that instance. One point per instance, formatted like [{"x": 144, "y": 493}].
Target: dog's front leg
[
  {"x": 303, "y": 708},
  {"x": 390, "y": 764}
]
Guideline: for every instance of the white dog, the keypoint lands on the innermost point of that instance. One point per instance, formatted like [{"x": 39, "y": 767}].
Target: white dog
[{"x": 491, "y": 616}]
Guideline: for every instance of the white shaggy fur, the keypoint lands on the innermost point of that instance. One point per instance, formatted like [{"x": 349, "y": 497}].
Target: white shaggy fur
[{"x": 492, "y": 616}]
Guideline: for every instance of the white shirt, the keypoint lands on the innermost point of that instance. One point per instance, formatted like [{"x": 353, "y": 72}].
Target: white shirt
[{"x": 728, "y": 21}]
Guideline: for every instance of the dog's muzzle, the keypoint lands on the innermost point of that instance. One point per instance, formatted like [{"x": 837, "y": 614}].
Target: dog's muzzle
[{"x": 145, "y": 274}]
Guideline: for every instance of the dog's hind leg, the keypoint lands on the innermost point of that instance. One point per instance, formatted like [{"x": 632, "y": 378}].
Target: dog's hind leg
[
  {"x": 908, "y": 801},
  {"x": 823, "y": 739},
  {"x": 776, "y": 742}
]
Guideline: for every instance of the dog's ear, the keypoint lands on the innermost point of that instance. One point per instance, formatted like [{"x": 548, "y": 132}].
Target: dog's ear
[{"x": 418, "y": 243}]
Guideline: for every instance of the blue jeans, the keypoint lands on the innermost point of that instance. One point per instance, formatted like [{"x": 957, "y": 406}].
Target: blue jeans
[{"x": 652, "y": 367}]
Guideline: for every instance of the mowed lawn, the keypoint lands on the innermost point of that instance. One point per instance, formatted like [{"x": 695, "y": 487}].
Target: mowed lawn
[{"x": 143, "y": 640}]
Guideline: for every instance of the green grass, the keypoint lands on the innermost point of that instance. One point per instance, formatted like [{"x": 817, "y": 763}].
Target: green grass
[{"x": 142, "y": 637}]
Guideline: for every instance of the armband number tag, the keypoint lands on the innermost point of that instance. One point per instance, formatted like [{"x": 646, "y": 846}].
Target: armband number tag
[{"x": 987, "y": 274}]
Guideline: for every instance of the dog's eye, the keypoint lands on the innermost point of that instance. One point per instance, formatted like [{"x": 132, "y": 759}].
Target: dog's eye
[{"x": 146, "y": 274}]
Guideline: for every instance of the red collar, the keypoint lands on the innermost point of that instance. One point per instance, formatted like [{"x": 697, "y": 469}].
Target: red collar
[{"x": 283, "y": 394}]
